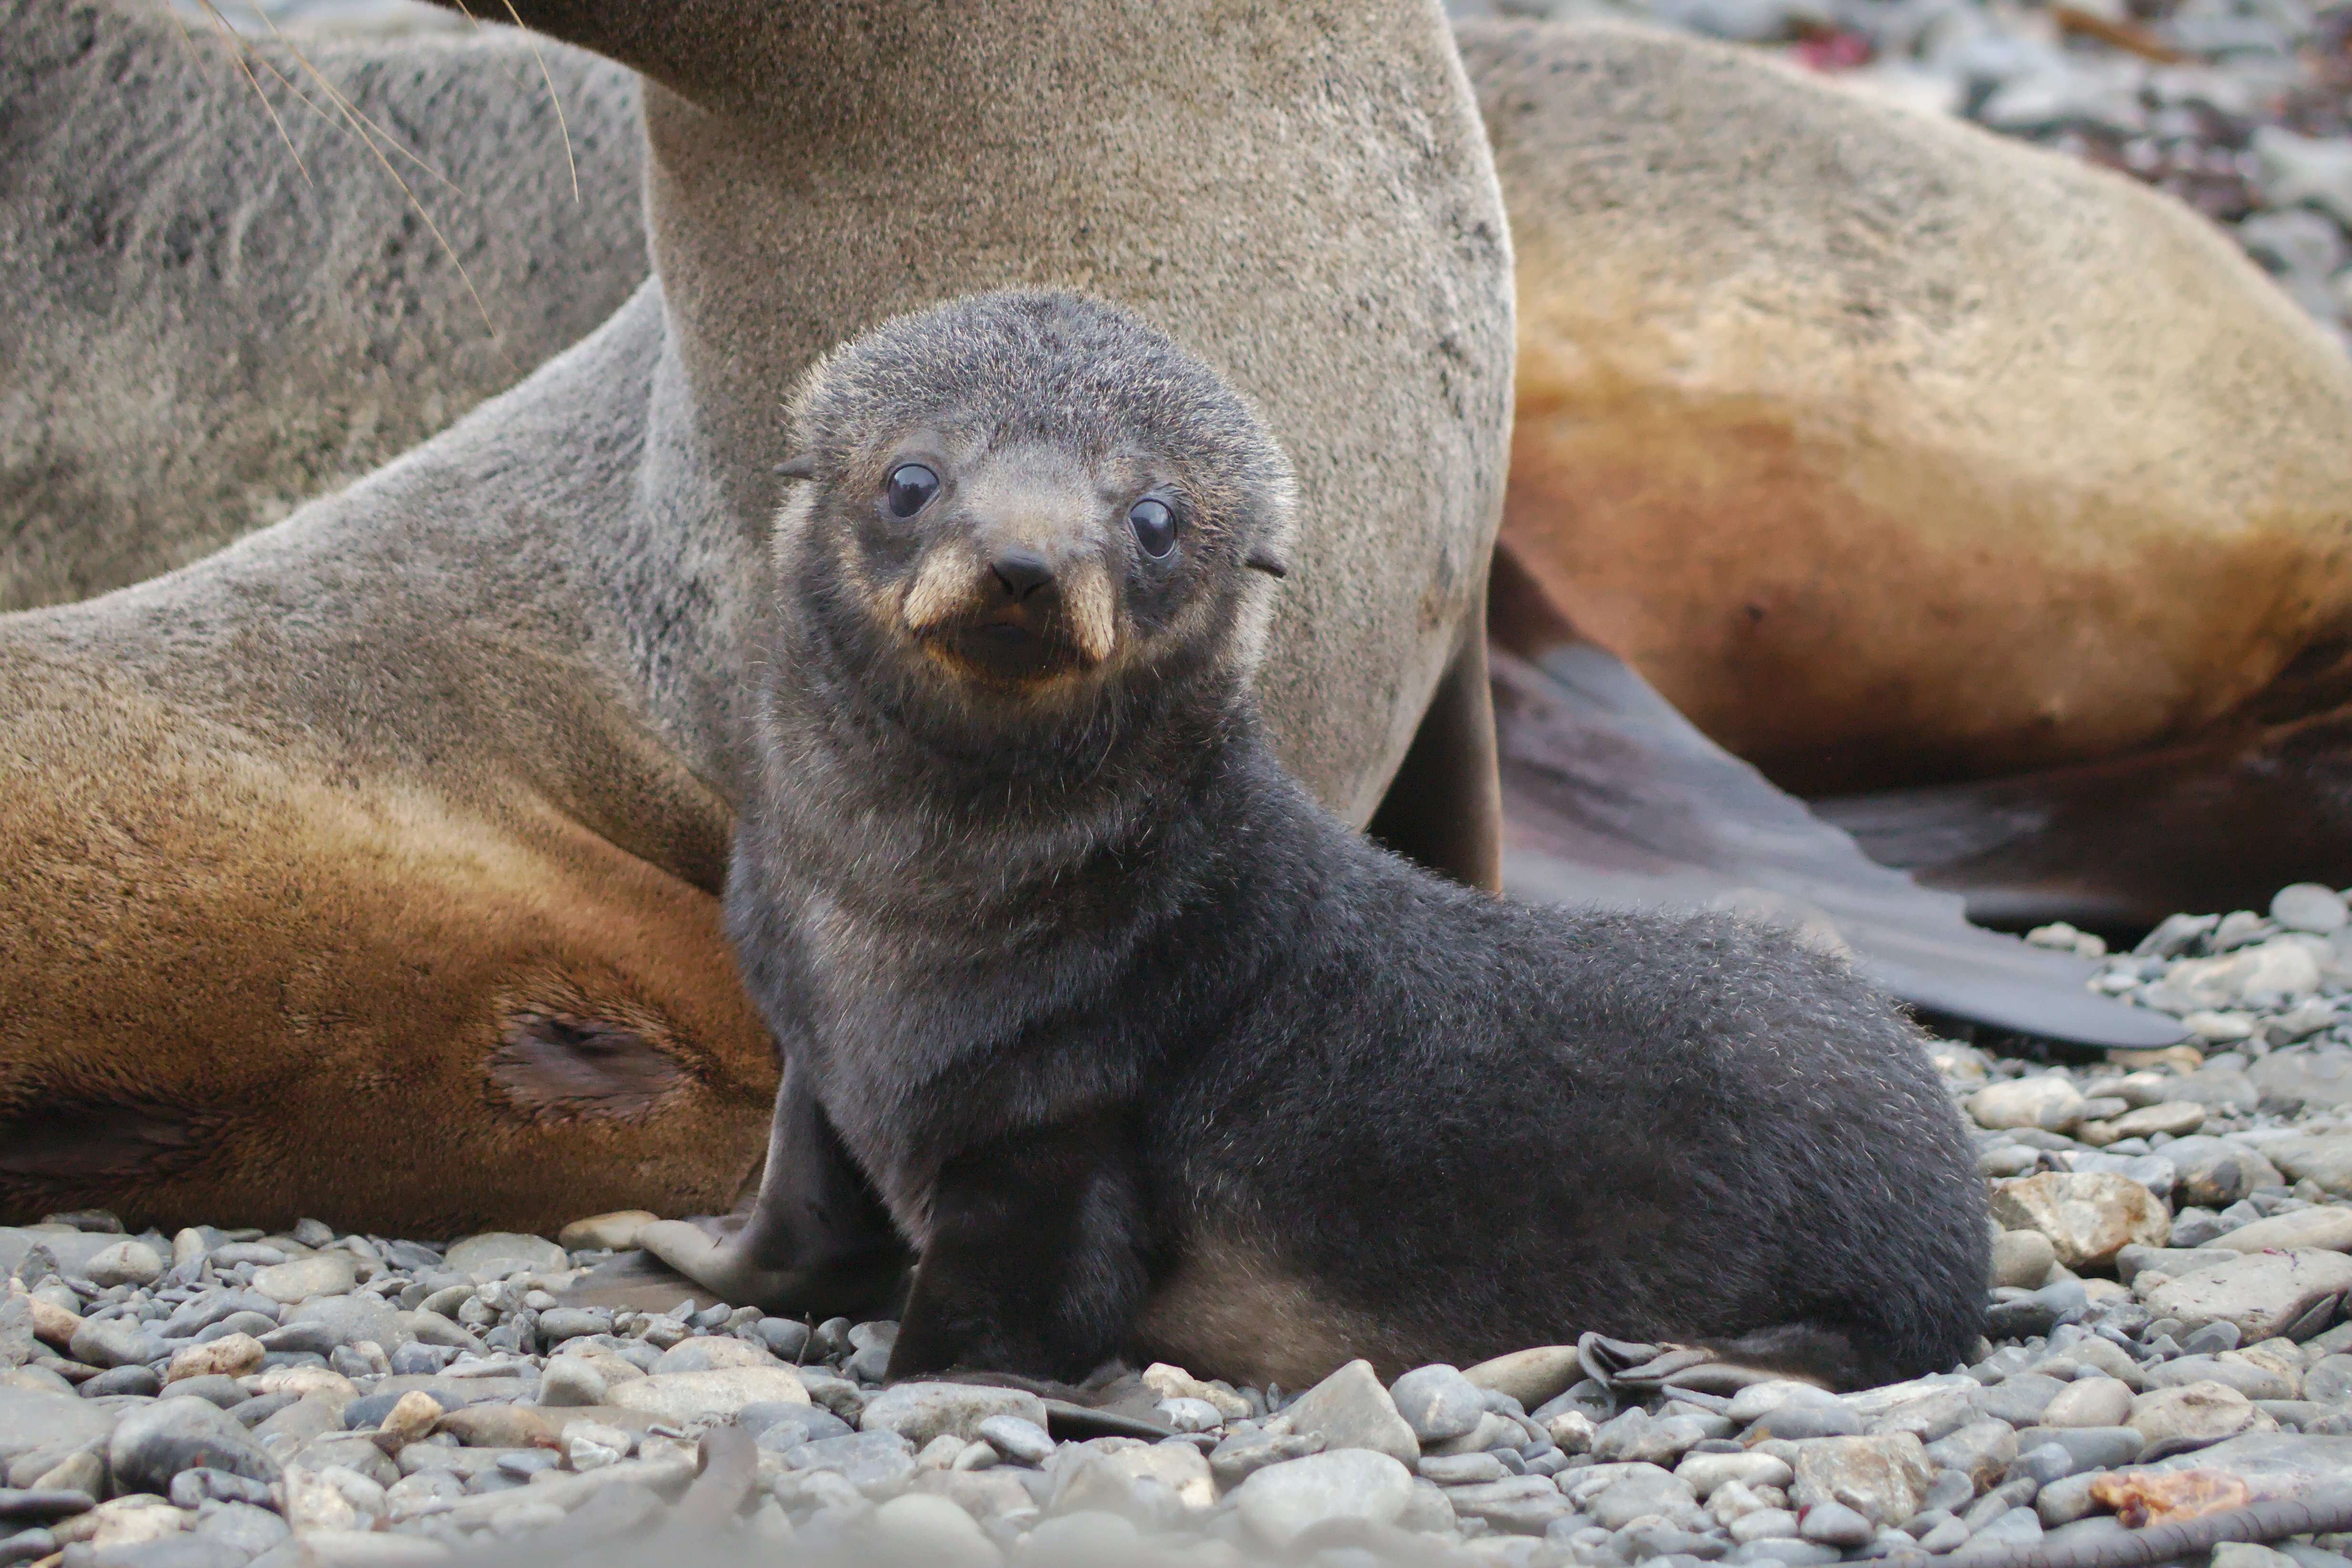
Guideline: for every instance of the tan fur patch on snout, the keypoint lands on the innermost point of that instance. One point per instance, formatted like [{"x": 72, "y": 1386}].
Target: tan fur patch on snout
[{"x": 952, "y": 583}]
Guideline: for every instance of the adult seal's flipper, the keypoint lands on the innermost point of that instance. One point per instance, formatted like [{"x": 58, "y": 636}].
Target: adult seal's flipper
[{"x": 1611, "y": 797}]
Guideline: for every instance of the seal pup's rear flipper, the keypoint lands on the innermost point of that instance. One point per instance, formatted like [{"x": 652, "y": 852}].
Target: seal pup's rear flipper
[{"x": 1611, "y": 797}]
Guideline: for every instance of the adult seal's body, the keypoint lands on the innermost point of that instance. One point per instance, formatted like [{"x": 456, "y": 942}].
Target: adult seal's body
[
  {"x": 421, "y": 797},
  {"x": 1146, "y": 1052}
]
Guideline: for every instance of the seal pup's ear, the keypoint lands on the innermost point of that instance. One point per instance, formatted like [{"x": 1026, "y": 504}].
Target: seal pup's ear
[
  {"x": 800, "y": 467},
  {"x": 1267, "y": 562}
]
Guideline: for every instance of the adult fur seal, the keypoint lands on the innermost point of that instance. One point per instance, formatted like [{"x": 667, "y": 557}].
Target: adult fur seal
[
  {"x": 1146, "y": 1051},
  {"x": 426, "y": 791},
  {"x": 100, "y": 481}
]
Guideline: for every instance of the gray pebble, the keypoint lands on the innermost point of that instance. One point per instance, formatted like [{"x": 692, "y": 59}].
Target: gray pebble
[
  {"x": 1835, "y": 1524},
  {"x": 1021, "y": 1441},
  {"x": 153, "y": 1443},
  {"x": 1438, "y": 1403}
]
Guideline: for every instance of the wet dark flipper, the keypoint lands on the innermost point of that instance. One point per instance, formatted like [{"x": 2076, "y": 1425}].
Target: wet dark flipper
[{"x": 1611, "y": 797}]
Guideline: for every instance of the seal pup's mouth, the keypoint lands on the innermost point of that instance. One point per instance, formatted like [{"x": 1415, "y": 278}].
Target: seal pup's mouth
[{"x": 1010, "y": 644}]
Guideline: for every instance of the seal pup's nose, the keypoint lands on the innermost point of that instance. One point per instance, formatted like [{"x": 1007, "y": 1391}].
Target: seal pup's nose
[{"x": 1021, "y": 573}]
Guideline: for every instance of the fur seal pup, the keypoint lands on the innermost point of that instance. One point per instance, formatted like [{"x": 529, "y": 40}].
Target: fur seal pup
[{"x": 1142, "y": 1048}]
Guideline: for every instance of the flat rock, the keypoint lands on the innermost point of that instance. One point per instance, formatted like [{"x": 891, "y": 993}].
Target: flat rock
[
  {"x": 127, "y": 1262},
  {"x": 879, "y": 1464},
  {"x": 2090, "y": 1401},
  {"x": 1283, "y": 1499},
  {"x": 2196, "y": 1412},
  {"x": 2088, "y": 1216},
  {"x": 499, "y": 1426},
  {"x": 2256, "y": 1382},
  {"x": 153, "y": 1443},
  {"x": 617, "y": 1231},
  {"x": 2218, "y": 1172},
  {"x": 2046, "y": 1101},
  {"x": 1350, "y": 1409},
  {"x": 683, "y": 1397},
  {"x": 2326, "y": 1159},
  {"x": 2320, "y": 1075},
  {"x": 1981, "y": 1450},
  {"x": 231, "y": 1355},
  {"x": 920, "y": 1528},
  {"x": 709, "y": 1352},
  {"x": 1532, "y": 1377},
  {"x": 350, "y": 1319},
  {"x": 115, "y": 1341},
  {"x": 921, "y": 1412},
  {"x": 2263, "y": 1293},
  {"x": 320, "y": 1274},
  {"x": 2283, "y": 1453},
  {"x": 2022, "y": 1259},
  {"x": 501, "y": 1251},
  {"x": 2328, "y": 1228},
  {"x": 1883, "y": 1478}
]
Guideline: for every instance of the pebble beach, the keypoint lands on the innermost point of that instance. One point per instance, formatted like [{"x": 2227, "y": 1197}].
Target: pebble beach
[{"x": 2164, "y": 1327}]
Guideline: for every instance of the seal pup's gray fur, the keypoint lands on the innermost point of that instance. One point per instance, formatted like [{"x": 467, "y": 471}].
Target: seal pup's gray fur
[
  {"x": 1146, "y": 1052},
  {"x": 426, "y": 791}
]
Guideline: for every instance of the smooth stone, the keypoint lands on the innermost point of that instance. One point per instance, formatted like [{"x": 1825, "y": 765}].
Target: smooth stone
[
  {"x": 2046, "y": 1101},
  {"x": 2022, "y": 1259},
  {"x": 2021, "y": 1398},
  {"x": 320, "y": 1274},
  {"x": 350, "y": 1319},
  {"x": 154, "y": 1443},
  {"x": 2196, "y": 1412},
  {"x": 1835, "y": 1524},
  {"x": 2218, "y": 1171},
  {"x": 2320, "y": 1075},
  {"x": 1787, "y": 1553},
  {"x": 2262, "y": 1294},
  {"x": 1703, "y": 1473},
  {"x": 1350, "y": 1409},
  {"x": 1437, "y": 1402},
  {"x": 570, "y": 1380},
  {"x": 2088, "y": 1216},
  {"x": 2091, "y": 1448},
  {"x": 1799, "y": 1421},
  {"x": 1241, "y": 1455},
  {"x": 1759, "y": 1399},
  {"x": 247, "y": 1529},
  {"x": 713, "y": 1353},
  {"x": 923, "y": 1412},
  {"x": 919, "y": 1528},
  {"x": 2175, "y": 1119},
  {"x": 1516, "y": 1505},
  {"x": 114, "y": 1342},
  {"x": 231, "y": 1355},
  {"x": 2255, "y": 1382},
  {"x": 1639, "y": 1490},
  {"x": 1883, "y": 1478},
  {"x": 127, "y": 1262},
  {"x": 2325, "y": 1159},
  {"x": 776, "y": 1428},
  {"x": 1636, "y": 1436},
  {"x": 1533, "y": 1377},
  {"x": 879, "y": 1464},
  {"x": 2309, "y": 907},
  {"x": 1019, "y": 1439},
  {"x": 1123, "y": 1472},
  {"x": 1283, "y": 1499},
  {"x": 2172, "y": 1261},
  {"x": 2090, "y": 1401},
  {"x": 123, "y": 1380},
  {"x": 2328, "y": 1228},
  {"x": 617, "y": 1231},
  {"x": 1981, "y": 1450},
  {"x": 683, "y": 1397},
  {"x": 504, "y": 1251},
  {"x": 499, "y": 1426},
  {"x": 558, "y": 1324}
]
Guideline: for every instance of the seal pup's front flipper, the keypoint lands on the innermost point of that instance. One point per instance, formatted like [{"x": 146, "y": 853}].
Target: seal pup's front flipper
[
  {"x": 817, "y": 1240},
  {"x": 1611, "y": 797}
]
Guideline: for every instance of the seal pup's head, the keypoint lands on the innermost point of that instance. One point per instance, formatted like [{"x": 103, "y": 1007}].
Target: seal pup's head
[{"x": 1019, "y": 502}]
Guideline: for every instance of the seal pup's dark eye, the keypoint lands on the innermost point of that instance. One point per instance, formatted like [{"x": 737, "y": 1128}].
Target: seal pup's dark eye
[
  {"x": 1154, "y": 526},
  {"x": 910, "y": 488}
]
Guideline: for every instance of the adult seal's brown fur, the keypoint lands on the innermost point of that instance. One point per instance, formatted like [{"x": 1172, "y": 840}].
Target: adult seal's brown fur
[{"x": 420, "y": 797}]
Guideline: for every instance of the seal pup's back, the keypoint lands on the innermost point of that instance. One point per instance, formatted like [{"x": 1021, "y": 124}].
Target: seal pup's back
[{"x": 1144, "y": 1051}]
